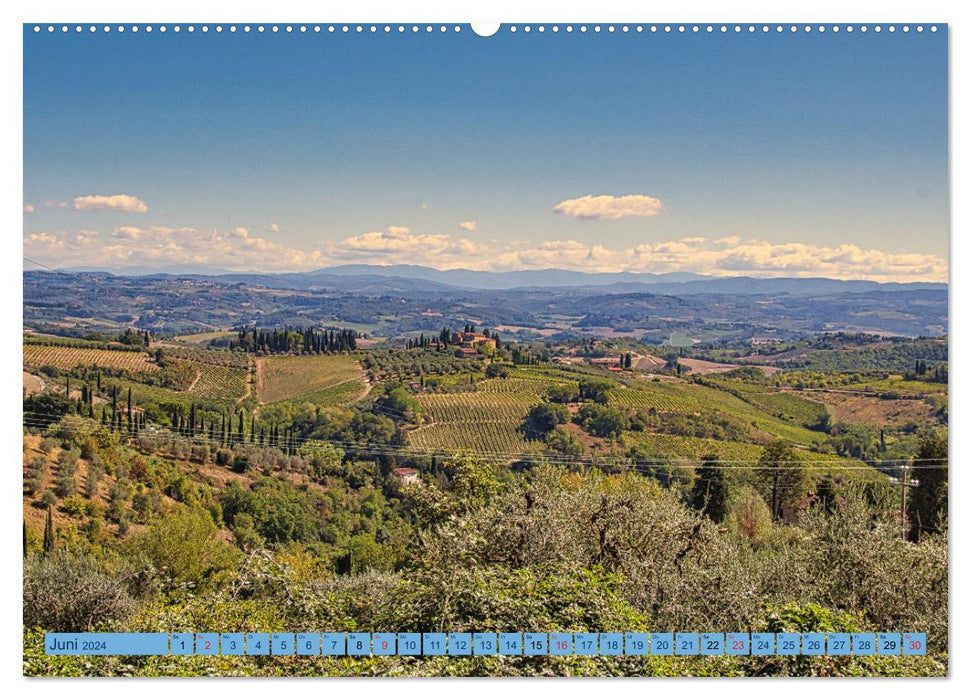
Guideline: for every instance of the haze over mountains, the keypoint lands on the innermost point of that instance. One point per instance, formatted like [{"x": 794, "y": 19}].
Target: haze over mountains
[
  {"x": 394, "y": 302},
  {"x": 372, "y": 279}
]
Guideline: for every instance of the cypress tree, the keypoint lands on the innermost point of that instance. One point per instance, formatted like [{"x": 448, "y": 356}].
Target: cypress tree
[
  {"x": 710, "y": 492},
  {"x": 49, "y": 530}
]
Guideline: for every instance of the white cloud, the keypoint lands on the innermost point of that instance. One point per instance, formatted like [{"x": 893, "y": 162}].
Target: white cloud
[
  {"x": 397, "y": 244},
  {"x": 605, "y": 206},
  {"x": 239, "y": 249},
  {"x": 54, "y": 204},
  {"x": 135, "y": 233},
  {"x": 28, "y": 209},
  {"x": 162, "y": 245},
  {"x": 469, "y": 225},
  {"x": 116, "y": 202},
  {"x": 274, "y": 228}
]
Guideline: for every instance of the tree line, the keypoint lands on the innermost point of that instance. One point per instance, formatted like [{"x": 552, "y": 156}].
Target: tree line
[{"x": 305, "y": 341}]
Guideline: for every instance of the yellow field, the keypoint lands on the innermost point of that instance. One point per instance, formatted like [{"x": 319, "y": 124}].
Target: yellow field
[
  {"x": 66, "y": 358},
  {"x": 284, "y": 378}
]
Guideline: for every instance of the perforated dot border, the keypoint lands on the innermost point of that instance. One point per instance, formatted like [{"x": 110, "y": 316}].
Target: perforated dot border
[{"x": 516, "y": 29}]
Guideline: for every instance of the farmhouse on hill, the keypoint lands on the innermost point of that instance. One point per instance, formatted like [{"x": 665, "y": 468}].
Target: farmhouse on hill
[{"x": 407, "y": 476}]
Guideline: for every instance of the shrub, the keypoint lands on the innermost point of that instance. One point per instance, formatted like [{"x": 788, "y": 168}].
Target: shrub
[
  {"x": 496, "y": 371},
  {"x": 240, "y": 464},
  {"x": 750, "y": 516},
  {"x": 186, "y": 546},
  {"x": 75, "y": 506},
  {"x": 69, "y": 592},
  {"x": 546, "y": 416},
  {"x": 602, "y": 421}
]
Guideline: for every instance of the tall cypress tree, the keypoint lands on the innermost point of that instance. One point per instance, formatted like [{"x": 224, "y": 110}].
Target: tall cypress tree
[
  {"x": 710, "y": 491},
  {"x": 49, "y": 531}
]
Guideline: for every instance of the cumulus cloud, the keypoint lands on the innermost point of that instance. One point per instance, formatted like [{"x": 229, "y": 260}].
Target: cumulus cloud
[
  {"x": 469, "y": 225},
  {"x": 274, "y": 228},
  {"x": 28, "y": 209},
  {"x": 724, "y": 257},
  {"x": 144, "y": 246},
  {"x": 116, "y": 202},
  {"x": 605, "y": 206},
  {"x": 398, "y": 244},
  {"x": 239, "y": 249},
  {"x": 135, "y": 233}
]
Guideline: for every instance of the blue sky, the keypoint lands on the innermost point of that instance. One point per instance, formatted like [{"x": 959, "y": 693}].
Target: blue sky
[{"x": 766, "y": 154}]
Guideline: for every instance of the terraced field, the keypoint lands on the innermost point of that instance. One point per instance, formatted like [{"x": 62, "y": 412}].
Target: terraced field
[
  {"x": 218, "y": 382},
  {"x": 790, "y": 407},
  {"x": 65, "y": 358},
  {"x": 743, "y": 454},
  {"x": 699, "y": 396},
  {"x": 285, "y": 378},
  {"x": 490, "y": 439},
  {"x": 484, "y": 421},
  {"x": 338, "y": 394},
  {"x": 661, "y": 396},
  {"x": 519, "y": 385}
]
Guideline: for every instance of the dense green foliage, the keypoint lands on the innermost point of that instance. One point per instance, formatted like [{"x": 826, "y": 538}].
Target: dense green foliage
[
  {"x": 548, "y": 497},
  {"x": 549, "y": 549}
]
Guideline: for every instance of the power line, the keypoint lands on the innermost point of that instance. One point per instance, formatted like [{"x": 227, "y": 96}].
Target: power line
[
  {"x": 237, "y": 439},
  {"x": 40, "y": 264}
]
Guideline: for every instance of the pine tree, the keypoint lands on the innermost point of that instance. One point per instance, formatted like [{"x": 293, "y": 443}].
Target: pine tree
[{"x": 781, "y": 479}]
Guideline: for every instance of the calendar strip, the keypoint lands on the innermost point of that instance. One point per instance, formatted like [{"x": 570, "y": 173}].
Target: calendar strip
[{"x": 487, "y": 644}]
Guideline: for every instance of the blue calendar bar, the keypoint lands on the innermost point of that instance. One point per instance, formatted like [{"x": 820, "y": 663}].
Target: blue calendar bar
[
  {"x": 106, "y": 644},
  {"x": 488, "y": 644}
]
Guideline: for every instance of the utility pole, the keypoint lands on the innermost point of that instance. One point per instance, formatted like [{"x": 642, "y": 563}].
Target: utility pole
[{"x": 904, "y": 485}]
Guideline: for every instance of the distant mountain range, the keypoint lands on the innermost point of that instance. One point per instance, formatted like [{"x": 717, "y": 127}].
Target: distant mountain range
[
  {"x": 396, "y": 301},
  {"x": 403, "y": 279}
]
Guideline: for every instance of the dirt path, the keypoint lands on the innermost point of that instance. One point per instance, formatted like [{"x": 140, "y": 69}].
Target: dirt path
[
  {"x": 194, "y": 382},
  {"x": 250, "y": 380},
  {"x": 33, "y": 384},
  {"x": 260, "y": 380}
]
